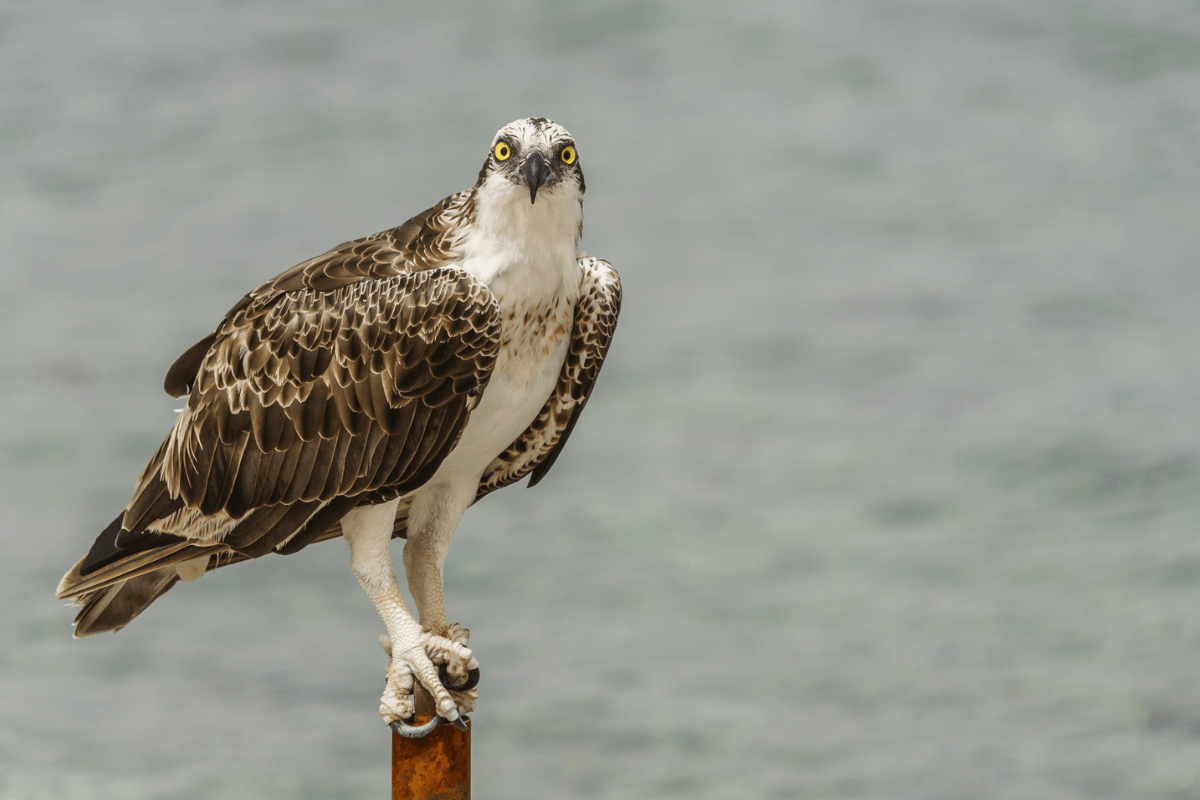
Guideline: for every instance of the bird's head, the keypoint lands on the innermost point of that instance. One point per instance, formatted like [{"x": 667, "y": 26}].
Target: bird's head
[{"x": 534, "y": 155}]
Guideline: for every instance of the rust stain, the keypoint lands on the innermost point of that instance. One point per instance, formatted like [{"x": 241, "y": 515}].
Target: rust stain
[{"x": 437, "y": 767}]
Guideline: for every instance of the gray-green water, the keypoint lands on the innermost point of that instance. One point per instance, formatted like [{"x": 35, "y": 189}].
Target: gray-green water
[{"x": 889, "y": 488}]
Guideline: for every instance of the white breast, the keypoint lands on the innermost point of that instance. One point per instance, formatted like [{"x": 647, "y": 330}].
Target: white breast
[
  {"x": 533, "y": 347},
  {"x": 527, "y": 256}
]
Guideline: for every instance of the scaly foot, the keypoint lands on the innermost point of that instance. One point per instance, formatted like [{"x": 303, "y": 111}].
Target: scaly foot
[
  {"x": 444, "y": 666},
  {"x": 460, "y": 678}
]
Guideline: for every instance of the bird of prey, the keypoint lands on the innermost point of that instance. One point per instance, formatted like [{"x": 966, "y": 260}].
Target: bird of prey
[{"x": 372, "y": 392}]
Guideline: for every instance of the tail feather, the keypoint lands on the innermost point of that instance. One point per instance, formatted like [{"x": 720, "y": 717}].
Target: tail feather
[
  {"x": 122, "y": 574},
  {"x": 77, "y": 586},
  {"x": 112, "y": 608}
]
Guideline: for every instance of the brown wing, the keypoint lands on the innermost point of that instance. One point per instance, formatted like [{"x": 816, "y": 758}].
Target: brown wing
[
  {"x": 306, "y": 404},
  {"x": 424, "y": 242},
  {"x": 311, "y": 395},
  {"x": 538, "y": 447},
  {"x": 535, "y": 451},
  {"x": 345, "y": 380}
]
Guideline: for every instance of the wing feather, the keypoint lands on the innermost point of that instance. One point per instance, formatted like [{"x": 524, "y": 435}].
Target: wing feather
[
  {"x": 245, "y": 481},
  {"x": 427, "y": 241},
  {"x": 237, "y": 445},
  {"x": 228, "y": 427},
  {"x": 308, "y": 393}
]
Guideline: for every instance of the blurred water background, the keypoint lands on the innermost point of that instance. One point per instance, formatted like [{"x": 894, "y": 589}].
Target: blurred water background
[{"x": 889, "y": 486}]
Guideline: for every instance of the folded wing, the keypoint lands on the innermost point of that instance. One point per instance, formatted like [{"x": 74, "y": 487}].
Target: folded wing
[{"x": 308, "y": 401}]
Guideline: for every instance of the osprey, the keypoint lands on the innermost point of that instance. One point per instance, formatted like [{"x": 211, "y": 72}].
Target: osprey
[{"x": 372, "y": 392}]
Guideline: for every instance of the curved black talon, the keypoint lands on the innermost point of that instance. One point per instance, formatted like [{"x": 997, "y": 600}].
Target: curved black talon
[
  {"x": 472, "y": 679},
  {"x": 416, "y": 731}
]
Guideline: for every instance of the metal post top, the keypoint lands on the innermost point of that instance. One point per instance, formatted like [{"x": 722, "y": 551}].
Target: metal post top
[{"x": 436, "y": 766}]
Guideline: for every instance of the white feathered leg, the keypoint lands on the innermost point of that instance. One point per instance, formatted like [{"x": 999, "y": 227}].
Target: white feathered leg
[
  {"x": 432, "y": 519},
  {"x": 414, "y": 652}
]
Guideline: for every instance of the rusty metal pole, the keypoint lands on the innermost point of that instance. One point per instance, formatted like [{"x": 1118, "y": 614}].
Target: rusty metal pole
[{"x": 436, "y": 767}]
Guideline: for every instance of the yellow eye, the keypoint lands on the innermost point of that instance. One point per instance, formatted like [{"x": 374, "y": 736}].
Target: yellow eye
[
  {"x": 502, "y": 151},
  {"x": 568, "y": 155}
]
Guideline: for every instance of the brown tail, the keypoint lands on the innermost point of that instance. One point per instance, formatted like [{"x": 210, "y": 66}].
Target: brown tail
[
  {"x": 112, "y": 609},
  {"x": 113, "y": 584}
]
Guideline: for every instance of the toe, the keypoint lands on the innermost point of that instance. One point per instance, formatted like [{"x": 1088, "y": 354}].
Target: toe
[
  {"x": 445, "y": 667},
  {"x": 427, "y": 674},
  {"x": 397, "y": 700},
  {"x": 457, "y": 633},
  {"x": 454, "y": 659},
  {"x": 465, "y": 700}
]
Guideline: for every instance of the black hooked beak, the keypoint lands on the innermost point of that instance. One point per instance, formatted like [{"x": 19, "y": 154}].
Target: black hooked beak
[{"x": 535, "y": 172}]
